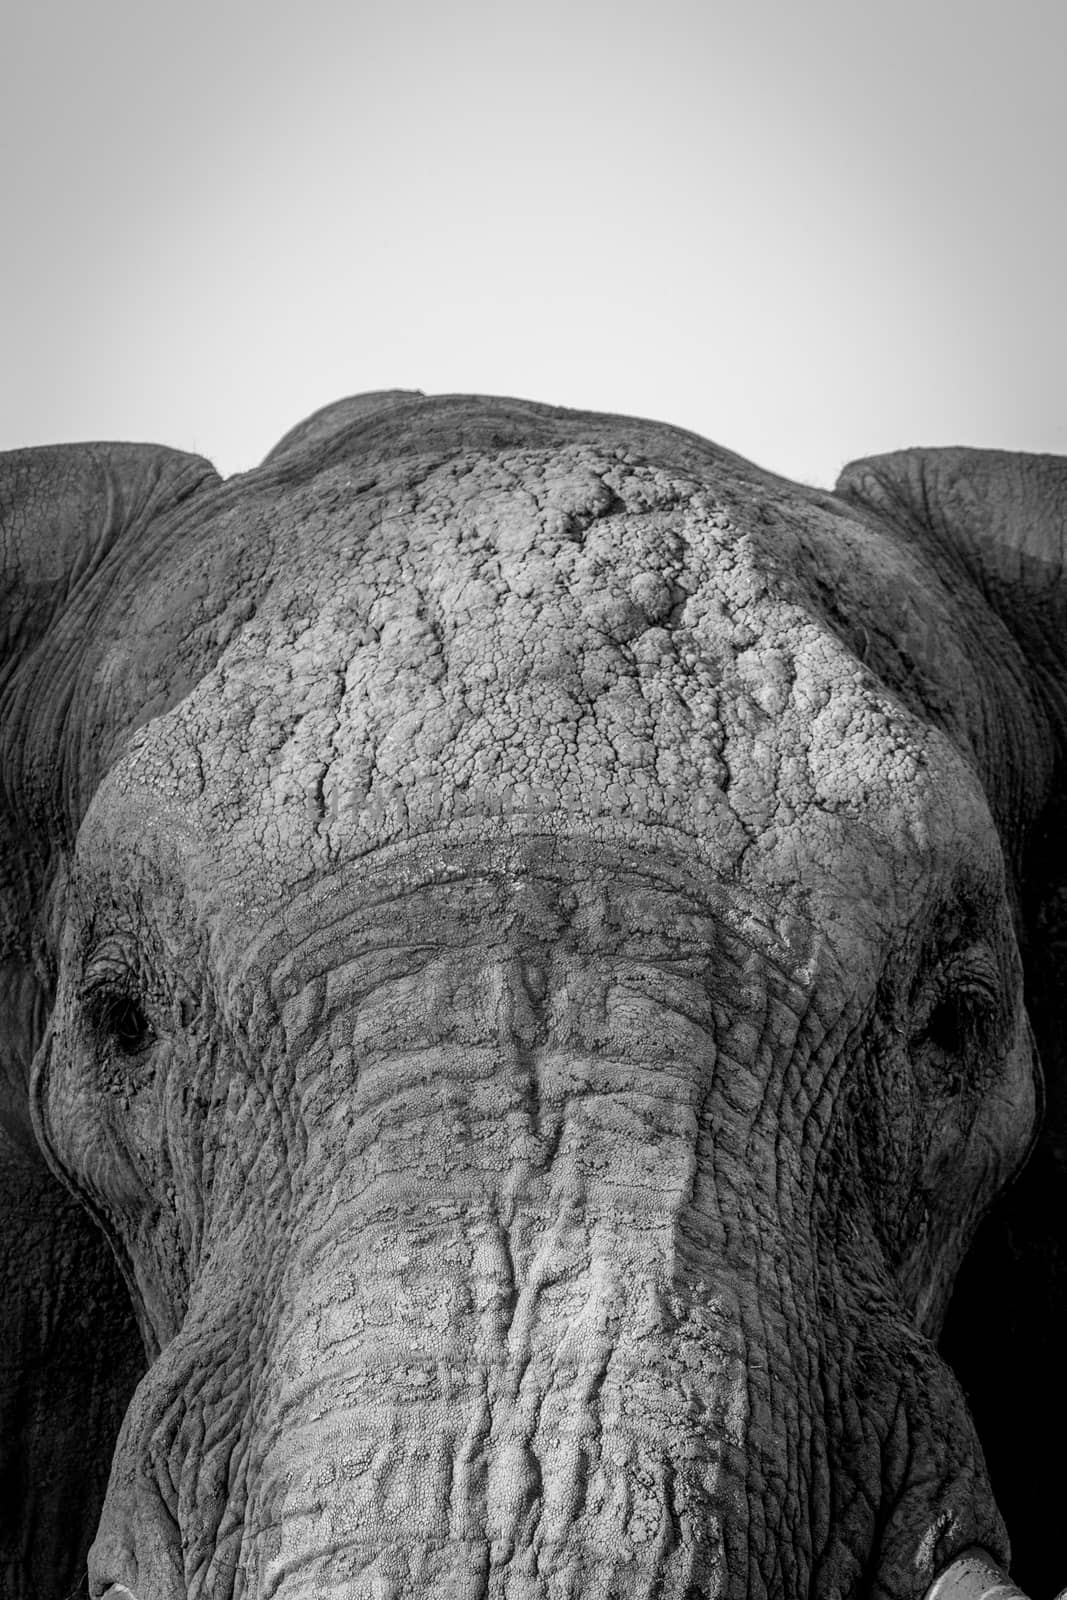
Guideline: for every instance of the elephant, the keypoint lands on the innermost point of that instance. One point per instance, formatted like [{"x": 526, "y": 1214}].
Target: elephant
[{"x": 531, "y": 1016}]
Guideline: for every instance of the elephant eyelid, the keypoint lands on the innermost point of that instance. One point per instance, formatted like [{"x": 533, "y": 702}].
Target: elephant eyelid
[
  {"x": 118, "y": 1016},
  {"x": 975, "y": 978},
  {"x": 113, "y": 1003},
  {"x": 964, "y": 1004}
]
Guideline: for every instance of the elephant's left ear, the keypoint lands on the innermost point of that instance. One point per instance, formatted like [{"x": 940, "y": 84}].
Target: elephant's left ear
[
  {"x": 993, "y": 525},
  {"x": 994, "y": 519}
]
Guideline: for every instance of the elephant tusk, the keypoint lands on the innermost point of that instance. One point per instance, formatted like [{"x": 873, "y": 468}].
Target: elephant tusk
[
  {"x": 973, "y": 1575},
  {"x": 120, "y": 1591}
]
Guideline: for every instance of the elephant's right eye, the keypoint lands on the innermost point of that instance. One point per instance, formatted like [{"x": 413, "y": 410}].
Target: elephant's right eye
[{"x": 120, "y": 1020}]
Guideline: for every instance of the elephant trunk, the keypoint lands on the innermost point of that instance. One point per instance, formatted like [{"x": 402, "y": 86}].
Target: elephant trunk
[
  {"x": 488, "y": 1365},
  {"x": 546, "y": 1353},
  {"x": 536, "y": 1298},
  {"x": 974, "y": 1575}
]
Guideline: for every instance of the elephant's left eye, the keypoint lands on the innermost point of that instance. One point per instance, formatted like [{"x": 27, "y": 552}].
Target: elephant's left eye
[
  {"x": 964, "y": 1007},
  {"x": 958, "y": 1018}
]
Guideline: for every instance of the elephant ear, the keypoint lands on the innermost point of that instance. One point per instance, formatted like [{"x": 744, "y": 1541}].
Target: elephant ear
[
  {"x": 994, "y": 523},
  {"x": 326, "y": 423},
  {"x": 71, "y": 517},
  {"x": 999, "y": 519}
]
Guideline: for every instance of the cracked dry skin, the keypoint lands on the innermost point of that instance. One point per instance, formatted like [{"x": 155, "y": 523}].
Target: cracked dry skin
[{"x": 542, "y": 1169}]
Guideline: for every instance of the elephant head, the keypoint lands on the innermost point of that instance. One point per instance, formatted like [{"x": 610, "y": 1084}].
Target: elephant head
[{"x": 514, "y": 935}]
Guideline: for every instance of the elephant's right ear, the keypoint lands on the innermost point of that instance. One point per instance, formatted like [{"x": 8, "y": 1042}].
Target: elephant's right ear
[
  {"x": 78, "y": 524},
  {"x": 71, "y": 517},
  {"x": 63, "y": 511}
]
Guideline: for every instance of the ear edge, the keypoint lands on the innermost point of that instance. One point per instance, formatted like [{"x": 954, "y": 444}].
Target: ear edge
[
  {"x": 329, "y": 420},
  {"x": 63, "y": 508}
]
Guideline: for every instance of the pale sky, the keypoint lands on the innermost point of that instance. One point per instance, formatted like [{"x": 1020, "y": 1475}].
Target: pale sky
[{"x": 809, "y": 230}]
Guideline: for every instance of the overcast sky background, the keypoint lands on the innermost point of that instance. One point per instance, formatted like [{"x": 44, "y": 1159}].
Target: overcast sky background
[{"x": 807, "y": 230}]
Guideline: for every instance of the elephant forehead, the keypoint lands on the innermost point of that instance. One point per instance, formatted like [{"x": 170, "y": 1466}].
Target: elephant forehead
[{"x": 574, "y": 640}]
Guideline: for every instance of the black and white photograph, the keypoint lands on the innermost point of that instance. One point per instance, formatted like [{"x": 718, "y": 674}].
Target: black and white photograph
[{"x": 533, "y": 800}]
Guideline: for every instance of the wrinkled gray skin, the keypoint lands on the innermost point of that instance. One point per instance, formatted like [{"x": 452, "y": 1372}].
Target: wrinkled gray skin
[{"x": 513, "y": 934}]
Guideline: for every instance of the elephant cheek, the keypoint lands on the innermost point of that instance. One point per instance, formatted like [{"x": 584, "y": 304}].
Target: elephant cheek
[
  {"x": 136, "y": 1550},
  {"x": 173, "y": 1518}
]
